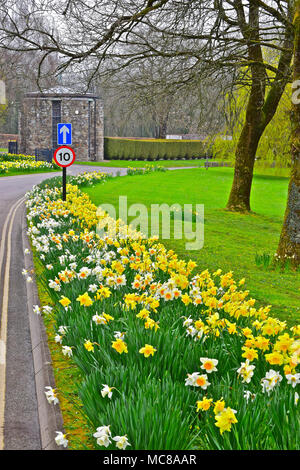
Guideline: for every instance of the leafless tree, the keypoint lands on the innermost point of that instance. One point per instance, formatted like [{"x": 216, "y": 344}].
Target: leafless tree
[
  {"x": 208, "y": 36},
  {"x": 20, "y": 71},
  {"x": 149, "y": 96}
]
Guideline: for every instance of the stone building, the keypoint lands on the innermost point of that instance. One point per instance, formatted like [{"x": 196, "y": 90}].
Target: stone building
[{"x": 41, "y": 112}]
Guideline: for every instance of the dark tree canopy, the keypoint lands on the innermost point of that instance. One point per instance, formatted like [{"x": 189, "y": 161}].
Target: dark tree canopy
[{"x": 107, "y": 35}]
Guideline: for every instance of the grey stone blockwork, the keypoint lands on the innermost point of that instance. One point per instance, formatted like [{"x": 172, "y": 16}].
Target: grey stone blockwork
[{"x": 37, "y": 123}]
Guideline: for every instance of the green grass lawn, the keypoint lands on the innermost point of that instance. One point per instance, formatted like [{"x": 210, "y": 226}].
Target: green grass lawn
[
  {"x": 261, "y": 170},
  {"x": 142, "y": 164},
  {"x": 231, "y": 240}
]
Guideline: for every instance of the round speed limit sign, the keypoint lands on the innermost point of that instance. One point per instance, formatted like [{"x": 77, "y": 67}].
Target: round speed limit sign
[{"x": 64, "y": 156}]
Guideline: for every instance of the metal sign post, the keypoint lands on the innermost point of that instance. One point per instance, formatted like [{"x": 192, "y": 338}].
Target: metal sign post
[
  {"x": 64, "y": 156},
  {"x": 64, "y": 184}
]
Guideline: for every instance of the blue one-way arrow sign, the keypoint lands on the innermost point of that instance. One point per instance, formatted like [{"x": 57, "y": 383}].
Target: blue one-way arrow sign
[{"x": 64, "y": 134}]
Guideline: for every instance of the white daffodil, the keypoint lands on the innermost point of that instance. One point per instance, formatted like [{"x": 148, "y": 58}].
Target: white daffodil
[
  {"x": 67, "y": 351},
  {"x": 36, "y": 310},
  {"x": 62, "y": 329},
  {"x": 51, "y": 396},
  {"x": 26, "y": 251},
  {"x": 191, "y": 331},
  {"x": 209, "y": 365},
  {"x": 119, "y": 335},
  {"x": 197, "y": 380},
  {"x": 200, "y": 334},
  {"x": 62, "y": 259},
  {"x": 58, "y": 339},
  {"x": 54, "y": 285},
  {"x": 61, "y": 439},
  {"x": 102, "y": 435},
  {"x": 248, "y": 395},
  {"x": 106, "y": 391},
  {"x": 121, "y": 442},
  {"x": 93, "y": 288},
  {"x": 271, "y": 379},
  {"x": 99, "y": 320},
  {"x": 246, "y": 371},
  {"x": 121, "y": 280},
  {"x": 191, "y": 378},
  {"x": 103, "y": 430},
  {"x": 293, "y": 379},
  {"x": 84, "y": 273},
  {"x": 47, "y": 309},
  {"x": 188, "y": 322},
  {"x": 103, "y": 440}
]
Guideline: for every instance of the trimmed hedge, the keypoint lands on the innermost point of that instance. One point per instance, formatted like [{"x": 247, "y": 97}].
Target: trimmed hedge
[{"x": 130, "y": 149}]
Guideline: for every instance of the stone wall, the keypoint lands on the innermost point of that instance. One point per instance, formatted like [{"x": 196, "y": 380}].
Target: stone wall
[
  {"x": 97, "y": 132},
  {"x": 4, "y": 138},
  {"x": 35, "y": 124}
]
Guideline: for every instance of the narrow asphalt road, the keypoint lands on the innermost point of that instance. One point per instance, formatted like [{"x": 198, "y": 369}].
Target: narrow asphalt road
[{"x": 19, "y": 415}]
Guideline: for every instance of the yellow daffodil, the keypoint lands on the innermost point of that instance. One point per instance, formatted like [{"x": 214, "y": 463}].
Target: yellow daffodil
[
  {"x": 107, "y": 317},
  {"x": 65, "y": 302},
  {"x": 147, "y": 350},
  {"x": 249, "y": 353},
  {"x": 85, "y": 300},
  {"x": 120, "y": 346},
  {"x": 225, "y": 419},
  {"x": 247, "y": 331},
  {"x": 219, "y": 406},
  {"x": 143, "y": 314},
  {"x": 204, "y": 404},
  {"x": 186, "y": 299},
  {"x": 89, "y": 346},
  {"x": 150, "y": 323},
  {"x": 283, "y": 343},
  {"x": 274, "y": 358}
]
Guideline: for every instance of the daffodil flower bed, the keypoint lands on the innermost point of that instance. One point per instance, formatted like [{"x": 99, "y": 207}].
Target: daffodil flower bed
[
  {"x": 89, "y": 178},
  {"x": 131, "y": 171},
  {"x": 173, "y": 358},
  {"x": 25, "y": 165},
  {"x": 12, "y": 157},
  {"x": 20, "y": 163}
]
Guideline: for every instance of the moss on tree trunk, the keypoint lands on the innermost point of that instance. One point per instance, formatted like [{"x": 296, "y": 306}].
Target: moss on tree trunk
[
  {"x": 239, "y": 199},
  {"x": 289, "y": 243},
  {"x": 260, "y": 109}
]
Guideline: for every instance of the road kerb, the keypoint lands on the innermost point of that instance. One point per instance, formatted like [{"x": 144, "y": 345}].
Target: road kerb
[{"x": 50, "y": 416}]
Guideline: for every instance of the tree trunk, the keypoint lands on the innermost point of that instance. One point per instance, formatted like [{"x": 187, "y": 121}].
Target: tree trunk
[
  {"x": 289, "y": 243},
  {"x": 162, "y": 130},
  {"x": 260, "y": 111},
  {"x": 239, "y": 199}
]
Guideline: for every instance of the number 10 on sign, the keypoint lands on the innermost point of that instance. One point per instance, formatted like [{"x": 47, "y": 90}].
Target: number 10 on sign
[{"x": 64, "y": 156}]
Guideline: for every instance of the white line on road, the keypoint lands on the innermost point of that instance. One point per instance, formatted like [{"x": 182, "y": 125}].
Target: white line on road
[
  {"x": 3, "y": 329},
  {"x": 2, "y": 352},
  {"x": 3, "y": 236}
]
